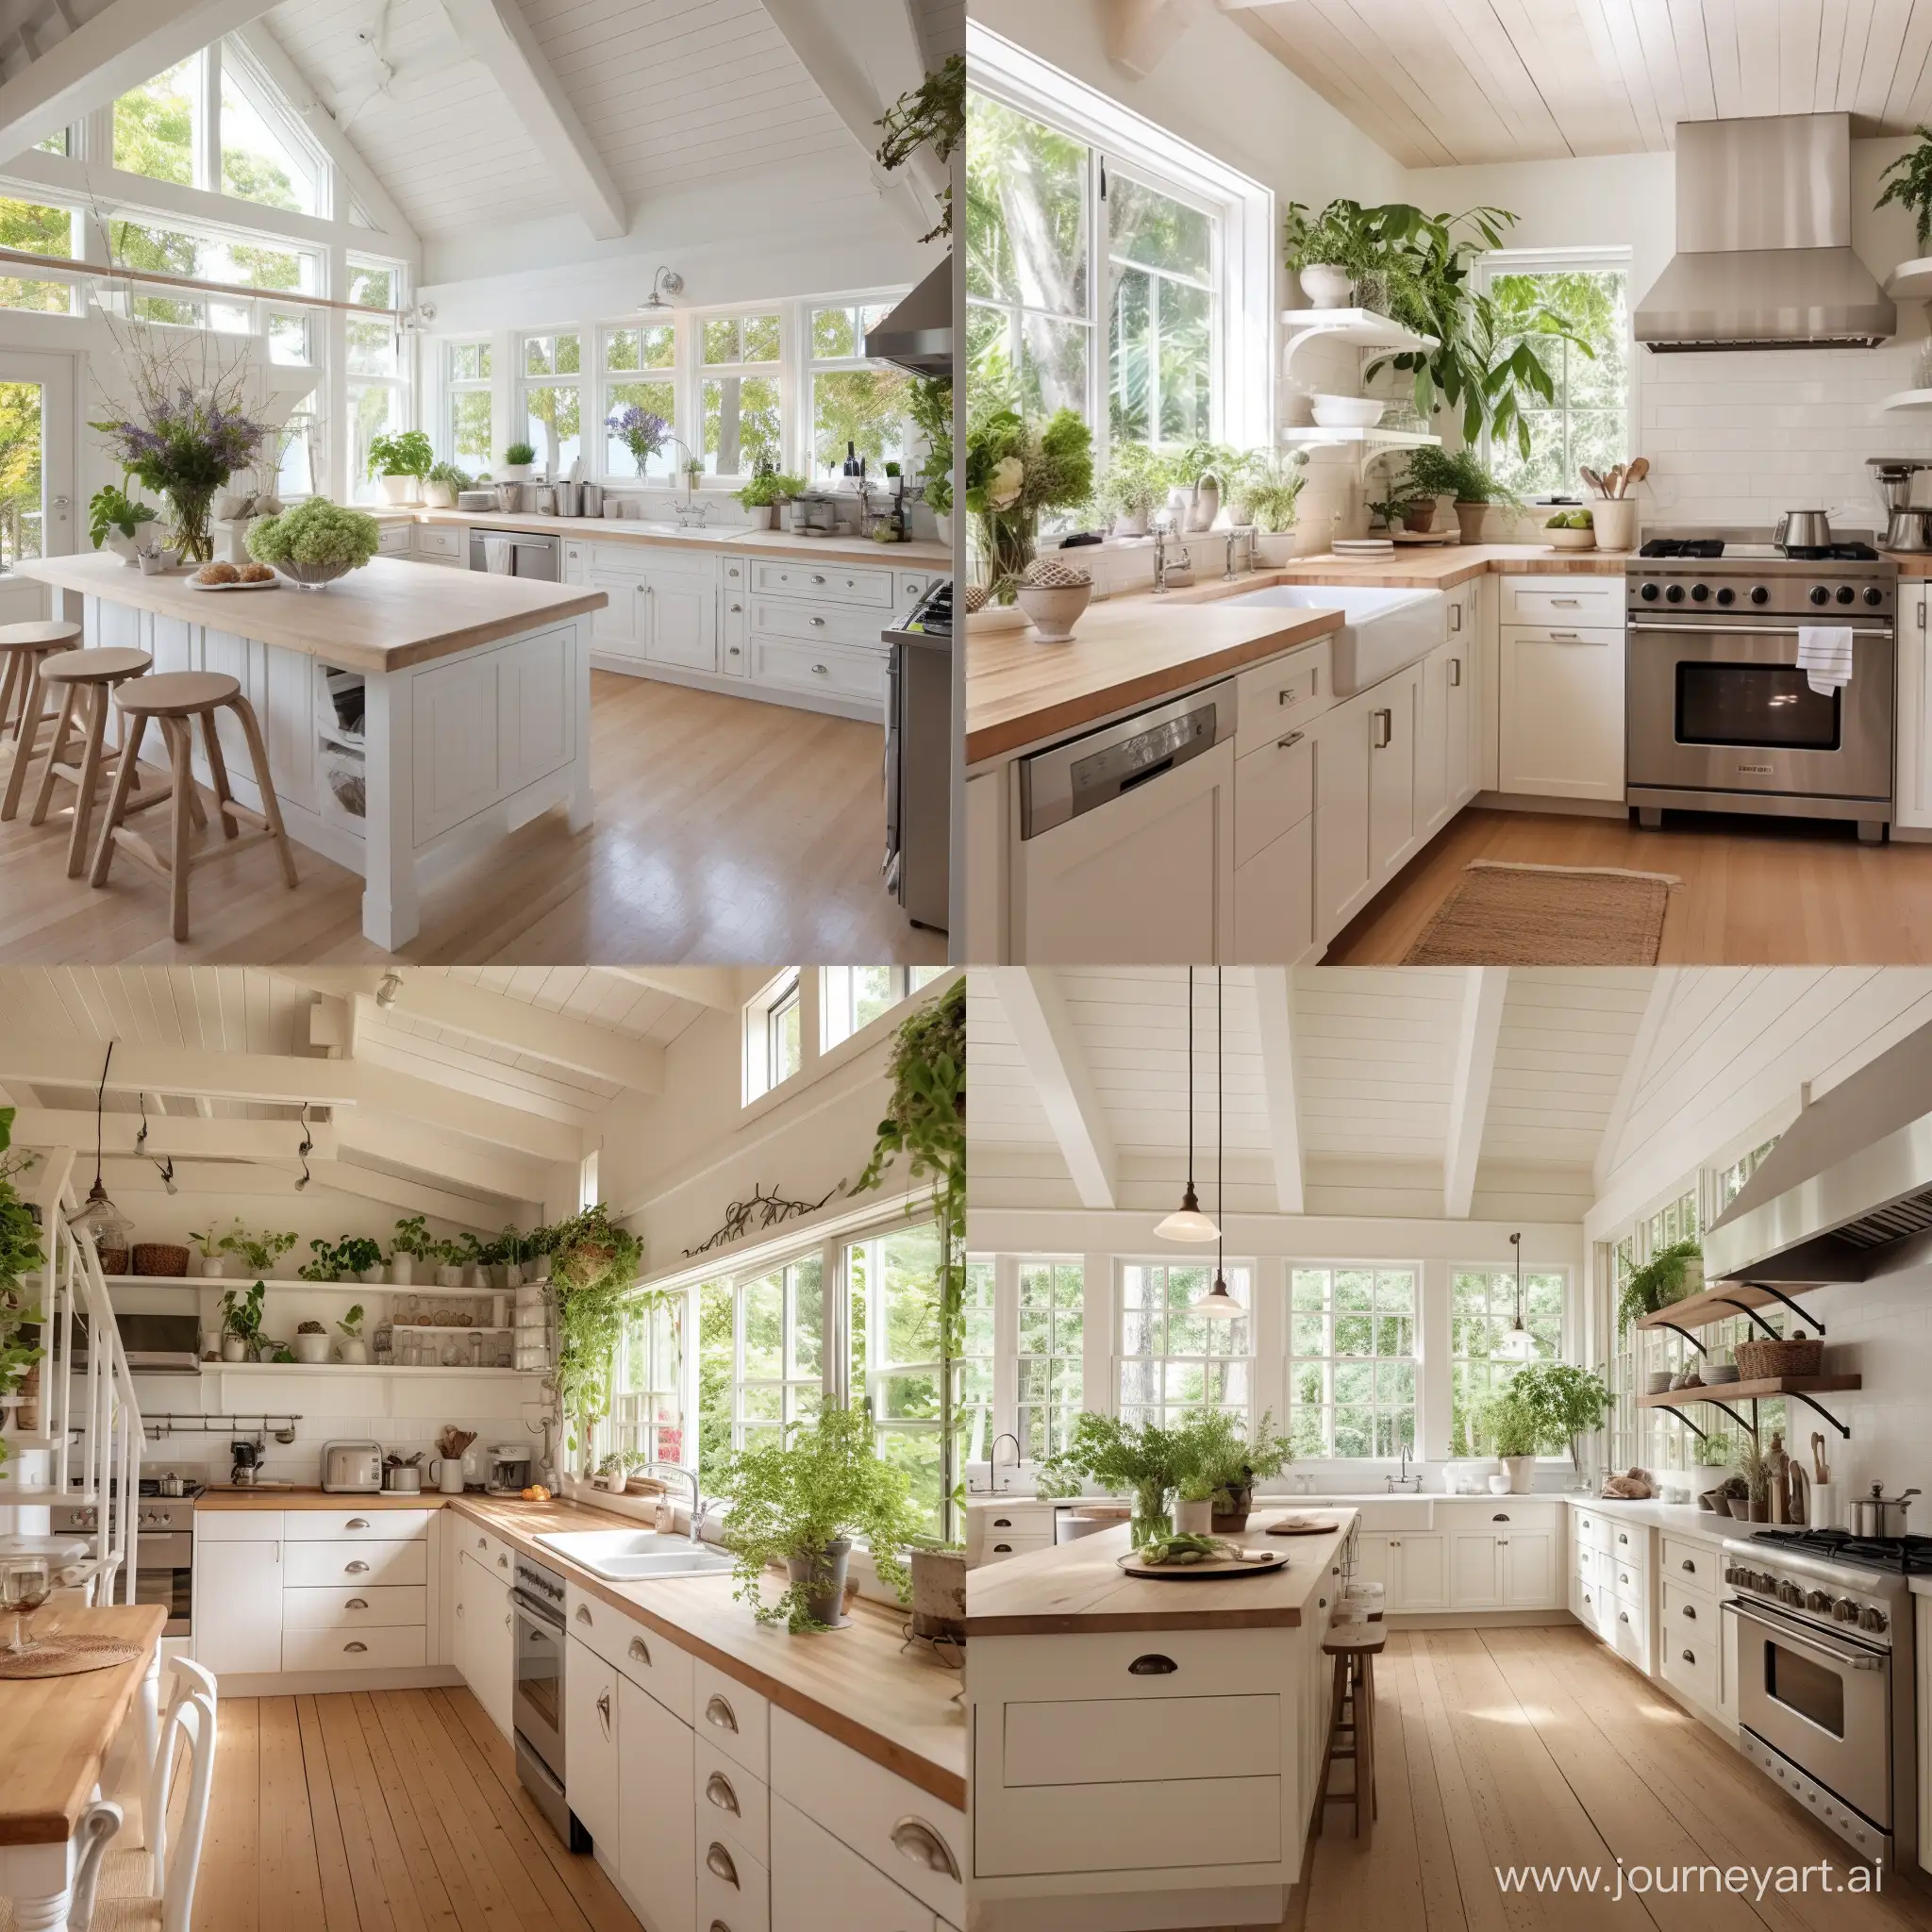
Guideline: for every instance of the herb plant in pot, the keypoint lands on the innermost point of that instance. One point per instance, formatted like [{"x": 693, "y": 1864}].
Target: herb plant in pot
[
  {"x": 114, "y": 518},
  {"x": 1461, "y": 475},
  {"x": 1511, "y": 1423},
  {"x": 361, "y": 1259},
  {"x": 1194, "y": 1509},
  {"x": 517, "y": 458},
  {"x": 1568, "y": 1405},
  {"x": 1140, "y": 1459},
  {"x": 761, "y": 497},
  {"x": 801, "y": 1503},
  {"x": 443, "y": 483},
  {"x": 241, "y": 1322},
  {"x": 258, "y": 1253},
  {"x": 1131, "y": 489},
  {"x": 311, "y": 1342},
  {"x": 399, "y": 463},
  {"x": 355, "y": 1348},
  {"x": 1329, "y": 250},
  {"x": 410, "y": 1245},
  {"x": 449, "y": 1264},
  {"x": 1231, "y": 1460},
  {"x": 213, "y": 1246},
  {"x": 1265, "y": 496},
  {"x": 1669, "y": 1276}
]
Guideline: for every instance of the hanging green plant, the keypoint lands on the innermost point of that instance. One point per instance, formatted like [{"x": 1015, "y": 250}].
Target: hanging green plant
[
  {"x": 594, "y": 1277},
  {"x": 1908, "y": 183},
  {"x": 1659, "y": 1282},
  {"x": 932, "y": 115}
]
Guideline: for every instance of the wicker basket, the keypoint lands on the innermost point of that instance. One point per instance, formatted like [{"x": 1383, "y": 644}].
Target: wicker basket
[
  {"x": 114, "y": 1261},
  {"x": 161, "y": 1258},
  {"x": 1763, "y": 1361}
]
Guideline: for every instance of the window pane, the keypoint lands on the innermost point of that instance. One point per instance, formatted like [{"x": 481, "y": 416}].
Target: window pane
[
  {"x": 296, "y": 475},
  {"x": 375, "y": 410},
  {"x": 761, "y": 1316},
  {"x": 468, "y": 361},
  {"x": 372, "y": 348},
  {"x": 551, "y": 422},
  {"x": 471, "y": 430},
  {"x": 862, "y": 407},
  {"x": 761, "y": 339},
  {"x": 154, "y": 127},
  {"x": 832, "y": 334},
  {"x": 1586, "y": 421},
  {"x": 661, "y": 399},
  {"x": 288, "y": 339},
  {"x": 1146, "y": 227},
  {"x": 721, "y": 338},
  {"x": 808, "y": 1341},
  {"x": 1053, "y": 365},
  {"x": 21, "y": 509},
  {"x": 742, "y": 424},
  {"x": 374, "y": 284},
  {"x": 258, "y": 163},
  {"x": 1027, "y": 211},
  {"x": 35, "y": 230},
  {"x": 714, "y": 1374}
]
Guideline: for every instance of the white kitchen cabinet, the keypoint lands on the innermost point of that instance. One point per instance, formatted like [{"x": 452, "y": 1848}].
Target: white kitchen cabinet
[
  {"x": 1474, "y": 1570},
  {"x": 1462, "y": 758},
  {"x": 1343, "y": 880},
  {"x": 238, "y": 1605},
  {"x": 819, "y": 1884},
  {"x": 393, "y": 538},
  {"x": 656, "y": 1859},
  {"x": 679, "y": 619},
  {"x": 1528, "y": 1569},
  {"x": 1410, "y": 1566},
  {"x": 1394, "y": 721},
  {"x": 1912, "y": 805},
  {"x": 1432, "y": 795},
  {"x": 1274, "y": 901},
  {"x": 1560, "y": 729},
  {"x": 617, "y": 627},
  {"x": 590, "y": 1757},
  {"x": 487, "y": 1642}
]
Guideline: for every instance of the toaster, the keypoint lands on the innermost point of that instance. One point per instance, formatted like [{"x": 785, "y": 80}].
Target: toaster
[{"x": 354, "y": 1468}]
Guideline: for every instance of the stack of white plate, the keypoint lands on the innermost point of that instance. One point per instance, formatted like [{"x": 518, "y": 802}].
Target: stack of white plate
[{"x": 1364, "y": 547}]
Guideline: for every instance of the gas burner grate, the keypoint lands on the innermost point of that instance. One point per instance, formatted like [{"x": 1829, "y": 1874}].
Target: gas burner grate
[{"x": 1907, "y": 1556}]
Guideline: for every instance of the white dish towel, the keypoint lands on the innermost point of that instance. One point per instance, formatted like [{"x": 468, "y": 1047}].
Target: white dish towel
[
  {"x": 499, "y": 558},
  {"x": 1825, "y": 656}
]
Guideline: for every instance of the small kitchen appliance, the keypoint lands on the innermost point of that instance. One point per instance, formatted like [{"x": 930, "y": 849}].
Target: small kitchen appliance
[
  {"x": 1881, "y": 1516},
  {"x": 814, "y": 513},
  {"x": 352, "y": 1468},
  {"x": 1823, "y": 1626},
  {"x": 509, "y": 1472},
  {"x": 246, "y": 1463}
]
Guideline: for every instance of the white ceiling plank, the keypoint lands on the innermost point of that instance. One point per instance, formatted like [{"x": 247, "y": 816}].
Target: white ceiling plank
[
  {"x": 1834, "y": 21},
  {"x": 717, "y": 986},
  {"x": 1798, "y": 30},
  {"x": 1035, "y": 1009},
  {"x": 1484, "y": 996},
  {"x": 1663, "y": 992},
  {"x": 1695, "y": 60},
  {"x": 495, "y": 32},
  {"x": 1274, "y": 1005},
  {"x": 414, "y": 1196},
  {"x": 1613, "y": 24}
]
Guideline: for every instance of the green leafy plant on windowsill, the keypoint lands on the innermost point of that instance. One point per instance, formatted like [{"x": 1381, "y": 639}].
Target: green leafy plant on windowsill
[
  {"x": 407, "y": 454},
  {"x": 1266, "y": 492},
  {"x": 1509, "y": 1424},
  {"x": 522, "y": 453},
  {"x": 769, "y": 487},
  {"x": 792, "y": 1502},
  {"x": 1566, "y": 1405},
  {"x": 1134, "y": 484},
  {"x": 1458, "y": 474},
  {"x": 449, "y": 474},
  {"x": 109, "y": 509},
  {"x": 1661, "y": 1281},
  {"x": 258, "y": 1253}
]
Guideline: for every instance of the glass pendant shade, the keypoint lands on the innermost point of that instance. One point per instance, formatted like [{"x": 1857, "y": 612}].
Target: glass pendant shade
[
  {"x": 101, "y": 1218},
  {"x": 1519, "y": 1345},
  {"x": 1218, "y": 1302},
  {"x": 1187, "y": 1223}
]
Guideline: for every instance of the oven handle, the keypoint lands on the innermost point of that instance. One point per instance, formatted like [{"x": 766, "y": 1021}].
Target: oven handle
[
  {"x": 1758, "y": 630},
  {"x": 1800, "y": 1635}
]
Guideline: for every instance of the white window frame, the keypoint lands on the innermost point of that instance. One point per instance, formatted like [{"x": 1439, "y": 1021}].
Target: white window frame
[
  {"x": 629, "y": 1426},
  {"x": 760, "y": 1073},
  {"x": 784, "y": 372},
  {"x": 786, "y": 1383},
  {"x": 1242, "y": 209},
  {"x": 813, "y": 366},
  {"x": 455, "y": 386},
  {"x": 1291, "y": 1361},
  {"x": 1021, "y": 1408},
  {"x": 401, "y": 385},
  {"x": 1504, "y": 1273},
  {"x": 1241, "y": 1274},
  {"x": 879, "y": 1369},
  {"x": 674, "y": 378},
  {"x": 522, "y": 384},
  {"x": 836, "y": 990}
]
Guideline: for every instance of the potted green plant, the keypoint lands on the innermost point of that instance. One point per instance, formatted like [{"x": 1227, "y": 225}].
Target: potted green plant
[
  {"x": 801, "y": 1502},
  {"x": 1568, "y": 1405},
  {"x": 1141, "y": 1459},
  {"x": 1908, "y": 185},
  {"x": 929, "y": 403},
  {"x": 241, "y": 1322},
  {"x": 1131, "y": 489},
  {"x": 115, "y": 519},
  {"x": 1232, "y": 1458},
  {"x": 449, "y": 1264},
  {"x": 1510, "y": 1424},
  {"x": 19, "y": 1319},
  {"x": 442, "y": 484},
  {"x": 932, "y": 115},
  {"x": 1198, "y": 477},
  {"x": 1462, "y": 476},
  {"x": 361, "y": 1259},
  {"x": 1017, "y": 470},
  {"x": 1754, "y": 1465},
  {"x": 258, "y": 1253},
  {"x": 608, "y": 1474},
  {"x": 323, "y": 1267},
  {"x": 400, "y": 462},
  {"x": 592, "y": 1288},
  {"x": 311, "y": 1342},
  {"x": 355, "y": 1348},
  {"x": 1266, "y": 492},
  {"x": 213, "y": 1246},
  {"x": 1194, "y": 1507},
  {"x": 768, "y": 487},
  {"x": 517, "y": 458},
  {"x": 315, "y": 543},
  {"x": 1329, "y": 249},
  {"x": 1670, "y": 1275},
  {"x": 411, "y": 1242}
]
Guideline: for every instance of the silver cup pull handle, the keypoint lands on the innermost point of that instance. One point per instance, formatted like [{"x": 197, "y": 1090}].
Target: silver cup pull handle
[{"x": 914, "y": 1838}]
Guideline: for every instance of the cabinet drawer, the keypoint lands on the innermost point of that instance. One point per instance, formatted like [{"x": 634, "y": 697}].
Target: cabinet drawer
[
  {"x": 1582, "y": 637},
  {"x": 734, "y": 1888},
  {"x": 735, "y": 626},
  {"x": 1109, "y": 1741},
  {"x": 438, "y": 540},
  {"x": 895, "y": 1827},
  {"x": 1688, "y": 1612},
  {"x": 651, "y": 1662},
  {"x": 1586, "y": 1560},
  {"x": 355, "y": 1650},
  {"x": 1273, "y": 788},
  {"x": 1118, "y": 1827},
  {"x": 1626, "y": 1632},
  {"x": 238, "y": 1525},
  {"x": 1002, "y": 1544},
  {"x": 311, "y": 1565},
  {"x": 819, "y": 1885},
  {"x": 1563, "y": 600},
  {"x": 363, "y": 1526},
  {"x": 1273, "y": 698},
  {"x": 657, "y": 559},
  {"x": 1690, "y": 1665},
  {"x": 833, "y": 583},
  {"x": 1505, "y": 1513},
  {"x": 735, "y": 1718},
  {"x": 491, "y": 1551},
  {"x": 1629, "y": 1544},
  {"x": 841, "y": 672},
  {"x": 731, "y": 1799},
  {"x": 1699, "y": 1565},
  {"x": 777, "y": 617},
  {"x": 393, "y": 540},
  {"x": 388, "y": 1606}
]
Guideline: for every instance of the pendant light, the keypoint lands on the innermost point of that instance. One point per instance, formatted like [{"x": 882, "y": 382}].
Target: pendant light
[
  {"x": 1519, "y": 1345},
  {"x": 100, "y": 1218},
  {"x": 1187, "y": 1223},
  {"x": 1218, "y": 1302}
]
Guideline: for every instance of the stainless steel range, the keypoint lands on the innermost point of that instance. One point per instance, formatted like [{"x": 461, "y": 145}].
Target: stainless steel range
[
  {"x": 1721, "y": 717},
  {"x": 163, "y": 1546},
  {"x": 1825, "y": 1631}
]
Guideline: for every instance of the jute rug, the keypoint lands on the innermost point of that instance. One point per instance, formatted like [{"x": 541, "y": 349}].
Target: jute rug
[{"x": 1546, "y": 915}]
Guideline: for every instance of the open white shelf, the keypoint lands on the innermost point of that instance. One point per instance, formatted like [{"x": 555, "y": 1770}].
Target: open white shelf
[
  {"x": 297, "y": 1286},
  {"x": 1912, "y": 281},
  {"x": 1314, "y": 435},
  {"x": 1360, "y": 327},
  {"x": 1908, "y": 399},
  {"x": 272, "y": 1369}
]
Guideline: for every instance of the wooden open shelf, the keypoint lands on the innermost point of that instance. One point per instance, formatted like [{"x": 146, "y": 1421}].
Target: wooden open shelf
[
  {"x": 1752, "y": 1392},
  {"x": 1724, "y": 1302}
]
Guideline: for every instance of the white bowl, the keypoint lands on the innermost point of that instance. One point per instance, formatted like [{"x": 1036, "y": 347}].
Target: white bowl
[
  {"x": 1571, "y": 539},
  {"x": 1347, "y": 412}
]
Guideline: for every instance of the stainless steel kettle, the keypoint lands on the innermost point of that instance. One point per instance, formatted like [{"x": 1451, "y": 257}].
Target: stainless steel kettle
[
  {"x": 1879, "y": 1514},
  {"x": 1803, "y": 530},
  {"x": 1909, "y": 530}
]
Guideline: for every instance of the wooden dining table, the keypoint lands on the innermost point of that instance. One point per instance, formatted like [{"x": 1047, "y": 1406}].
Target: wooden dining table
[{"x": 55, "y": 1734}]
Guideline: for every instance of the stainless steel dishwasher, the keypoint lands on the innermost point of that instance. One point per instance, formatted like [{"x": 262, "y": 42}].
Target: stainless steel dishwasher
[{"x": 531, "y": 554}]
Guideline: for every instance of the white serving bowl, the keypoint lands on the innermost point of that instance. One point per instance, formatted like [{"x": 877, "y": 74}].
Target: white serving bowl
[
  {"x": 1347, "y": 412},
  {"x": 1571, "y": 539}
]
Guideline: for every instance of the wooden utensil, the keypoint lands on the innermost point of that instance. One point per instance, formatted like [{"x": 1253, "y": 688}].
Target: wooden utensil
[
  {"x": 1613, "y": 483},
  {"x": 1820, "y": 1474},
  {"x": 1639, "y": 470},
  {"x": 1593, "y": 479}
]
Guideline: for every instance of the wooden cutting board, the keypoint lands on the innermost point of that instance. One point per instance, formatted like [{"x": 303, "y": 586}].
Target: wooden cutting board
[{"x": 1220, "y": 1568}]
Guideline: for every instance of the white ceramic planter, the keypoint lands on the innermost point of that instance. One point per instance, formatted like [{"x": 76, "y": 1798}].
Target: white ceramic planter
[
  {"x": 1132, "y": 524},
  {"x": 371, "y": 1278},
  {"x": 1521, "y": 1472},
  {"x": 1053, "y": 611},
  {"x": 538, "y": 1270},
  {"x": 402, "y": 1270},
  {"x": 449, "y": 1276},
  {"x": 513, "y": 472},
  {"x": 1274, "y": 549},
  {"x": 1326, "y": 286},
  {"x": 234, "y": 1349},
  {"x": 398, "y": 489},
  {"x": 1193, "y": 1518},
  {"x": 438, "y": 496},
  {"x": 213, "y": 1267},
  {"x": 354, "y": 1349},
  {"x": 313, "y": 1349}
]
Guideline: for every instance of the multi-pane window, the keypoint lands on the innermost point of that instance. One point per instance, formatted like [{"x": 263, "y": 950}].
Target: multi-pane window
[
  {"x": 976, "y": 1387},
  {"x": 852, "y": 997},
  {"x": 153, "y": 126},
  {"x": 1052, "y": 1341},
  {"x": 1482, "y": 1312},
  {"x": 641, "y": 371},
  {"x": 647, "y": 1382},
  {"x": 553, "y": 397},
  {"x": 1172, "y": 1360},
  {"x": 35, "y": 229},
  {"x": 266, "y": 155},
  {"x": 378, "y": 382},
  {"x": 1587, "y": 421},
  {"x": 741, "y": 391},
  {"x": 892, "y": 1341},
  {"x": 858, "y": 407},
  {"x": 780, "y": 1367},
  {"x": 1159, "y": 315},
  {"x": 773, "y": 1040},
  {"x": 262, "y": 266},
  {"x": 1352, "y": 1356},
  {"x": 471, "y": 403}
]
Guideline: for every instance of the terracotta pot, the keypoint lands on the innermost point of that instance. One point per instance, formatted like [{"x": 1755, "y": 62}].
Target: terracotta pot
[
  {"x": 1469, "y": 521},
  {"x": 1419, "y": 516}
]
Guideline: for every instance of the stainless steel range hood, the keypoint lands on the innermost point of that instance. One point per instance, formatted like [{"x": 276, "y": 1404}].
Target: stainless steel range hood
[
  {"x": 1764, "y": 253},
  {"x": 917, "y": 334},
  {"x": 1846, "y": 1195}
]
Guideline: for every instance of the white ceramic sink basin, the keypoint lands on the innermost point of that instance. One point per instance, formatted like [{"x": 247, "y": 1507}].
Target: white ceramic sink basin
[
  {"x": 631, "y": 1555},
  {"x": 1383, "y": 631},
  {"x": 717, "y": 533}
]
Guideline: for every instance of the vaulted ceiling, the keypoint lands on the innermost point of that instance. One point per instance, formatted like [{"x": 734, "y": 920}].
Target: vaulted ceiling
[{"x": 1444, "y": 82}]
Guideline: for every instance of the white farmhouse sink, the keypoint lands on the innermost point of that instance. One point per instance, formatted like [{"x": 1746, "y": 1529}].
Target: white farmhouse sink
[
  {"x": 717, "y": 533},
  {"x": 631, "y": 1555},
  {"x": 1383, "y": 631}
]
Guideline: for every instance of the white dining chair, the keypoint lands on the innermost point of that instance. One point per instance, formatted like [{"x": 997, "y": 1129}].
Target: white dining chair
[{"x": 159, "y": 1881}]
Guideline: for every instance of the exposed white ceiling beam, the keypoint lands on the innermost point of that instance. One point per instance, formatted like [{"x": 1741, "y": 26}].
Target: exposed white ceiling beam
[
  {"x": 1142, "y": 33},
  {"x": 1663, "y": 989},
  {"x": 417, "y": 1197},
  {"x": 458, "y": 1070},
  {"x": 496, "y": 33},
  {"x": 315, "y": 115},
  {"x": 385, "y": 1139},
  {"x": 1485, "y": 990},
  {"x": 1274, "y": 1008},
  {"x": 1051, "y": 1050},
  {"x": 177, "y": 1135},
  {"x": 128, "y": 42},
  {"x": 702, "y": 986}
]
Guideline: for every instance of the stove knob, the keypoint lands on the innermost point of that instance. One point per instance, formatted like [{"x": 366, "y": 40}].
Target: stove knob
[
  {"x": 1788, "y": 1593},
  {"x": 1820, "y": 594},
  {"x": 1874, "y": 595},
  {"x": 1817, "y": 1599},
  {"x": 1764, "y": 1583},
  {"x": 1734, "y": 1572},
  {"x": 1649, "y": 594},
  {"x": 1700, "y": 593},
  {"x": 1845, "y": 1612},
  {"x": 1727, "y": 595},
  {"x": 1759, "y": 594},
  {"x": 1676, "y": 593},
  {"x": 1845, "y": 593},
  {"x": 1873, "y": 1618}
]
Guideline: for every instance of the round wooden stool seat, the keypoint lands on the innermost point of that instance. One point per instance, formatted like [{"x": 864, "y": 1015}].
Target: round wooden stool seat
[
  {"x": 173, "y": 702},
  {"x": 24, "y": 648},
  {"x": 80, "y": 754},
  {"x": 178, "y": 694},
  {"x": 37, "y": 633},
  {"x": 1351, "y": 1640}
]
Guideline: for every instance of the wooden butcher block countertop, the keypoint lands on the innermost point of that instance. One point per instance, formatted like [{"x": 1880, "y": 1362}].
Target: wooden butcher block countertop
[{"x": 1442, "y": 566}]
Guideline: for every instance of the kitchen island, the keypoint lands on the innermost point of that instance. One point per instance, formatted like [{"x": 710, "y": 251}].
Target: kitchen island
[
  {"x": 1136, "y": 1737},
  {"x": 413, "y": 718}
]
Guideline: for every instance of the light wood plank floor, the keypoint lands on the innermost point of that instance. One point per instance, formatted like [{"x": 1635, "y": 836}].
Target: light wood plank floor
[
  {"x": 1536, "y": 1746},
  {"x": 386, "y": 1812},
  {"x": 725, "y": 831},
  {"x": 1754, "y": 891}
]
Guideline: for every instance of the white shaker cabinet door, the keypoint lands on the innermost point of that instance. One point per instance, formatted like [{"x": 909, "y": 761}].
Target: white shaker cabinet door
[
  {"x": 1419, "y": 1569},
  {"x": 1913, "y": 805},
  {"x": 656, "y": 1799},
  {"x": 680, "y": 620},
  {"x": 618, "y": 627},
  {"x": 590, "y": 1720},
  {"x": 1433, "y": 800},
  {"x": 1342, "y": 882},
  {"x": 819, "y": 1885},
  {"x": 1562, "y": 713},
  {"x": 238, "y": 1608},
  {"x": 1394, "y": 725}
]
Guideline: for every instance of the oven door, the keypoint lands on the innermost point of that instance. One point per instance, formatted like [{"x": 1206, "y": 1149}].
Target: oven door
[
  {"x": 164, "y": 1575},
  {"x": 1824, "y": 1701},
  {"x": 1729, "y": 710},
  {"x": 537, "y": 1701}
]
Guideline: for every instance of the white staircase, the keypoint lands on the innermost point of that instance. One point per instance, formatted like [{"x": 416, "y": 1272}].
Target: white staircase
[{"x": 85, "y": 1442}]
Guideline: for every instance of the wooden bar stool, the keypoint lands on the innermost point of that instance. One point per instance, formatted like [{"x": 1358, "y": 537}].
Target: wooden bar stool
[
  {"x": 84, "y": 680},
  {"x": 1352, "y": 1720},
  {"x": 175, "y": 700},
  {"x": 23, "y": 698}
]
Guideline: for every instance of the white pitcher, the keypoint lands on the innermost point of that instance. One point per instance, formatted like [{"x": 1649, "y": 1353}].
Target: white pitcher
[{"x": 446, "y": 1472}]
